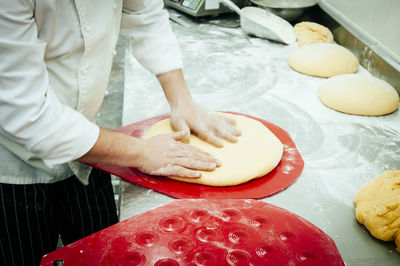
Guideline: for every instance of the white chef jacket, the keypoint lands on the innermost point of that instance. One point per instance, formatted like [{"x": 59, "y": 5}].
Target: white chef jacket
[{"x": 55, "y": 62}]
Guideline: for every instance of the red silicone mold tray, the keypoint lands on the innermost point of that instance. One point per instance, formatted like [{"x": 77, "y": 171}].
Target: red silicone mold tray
[
  {"x": 287, "y": 171},
  {"x": 205, "y": 232}
]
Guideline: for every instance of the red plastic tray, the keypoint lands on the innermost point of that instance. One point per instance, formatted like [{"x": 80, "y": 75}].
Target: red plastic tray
[
  {"x": 205, "y": 232},
  {"x": 287, "y": 171}
]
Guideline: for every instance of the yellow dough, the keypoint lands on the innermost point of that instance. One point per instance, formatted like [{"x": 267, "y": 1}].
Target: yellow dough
[
  {"x": 323, "y": 60},
  {"x": 377, "y": 206},
  {"x": 256, "y": 153},
  {"x": 359, "y": 95},
  {"x": 311, "y": 32}
]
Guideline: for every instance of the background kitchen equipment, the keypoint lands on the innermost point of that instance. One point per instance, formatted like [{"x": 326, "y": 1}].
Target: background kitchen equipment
[
  {"x": 286, "y": 9},
  {"x": 200, "y": 8},
  {"x": 263, "y": 24}
]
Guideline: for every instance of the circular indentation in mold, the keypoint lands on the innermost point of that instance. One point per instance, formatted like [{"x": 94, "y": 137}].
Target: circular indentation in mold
[
  {"x": 238, "y": 257},
  {"x": 199, "y": 215},
  {"x": 166, "y": 262},
  {"x": 238, "y": 237},
  {"x": 120, "y": 243},
  {"x": 263, "y": 251},
  {"x": 58, "y": 263},
  {"x": 260, "y": 222},
  {"x": 173, "y": 223},
  {"x": 287, "y": 237},
  {"x": 180, "y": 246},
  {"x": 147, "y": 238},
  {"x": 204, "y": 259},
  {"x": 206, "y": 234},
  {"x": 305, "y": 256},
  {"x": 135, "y": 258},
  {"x": 231, "y": 215}
]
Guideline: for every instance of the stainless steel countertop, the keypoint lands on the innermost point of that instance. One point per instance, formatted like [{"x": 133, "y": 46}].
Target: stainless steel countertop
[{"x": 227, "y": 70}]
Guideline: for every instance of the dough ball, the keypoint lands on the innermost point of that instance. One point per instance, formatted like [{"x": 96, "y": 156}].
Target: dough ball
[
  {"x": 377, "y": 206},
  {"x": 257, "y": 152},
  {"x": 310, "y": 32},
  {"x": 359, "y": 95},
  {"x": 323, "y": 60}
]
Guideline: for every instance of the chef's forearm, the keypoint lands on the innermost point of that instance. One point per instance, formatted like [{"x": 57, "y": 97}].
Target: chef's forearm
[
  {"x": 113, "y": 148},
  {"x": 175, "y": 88}
]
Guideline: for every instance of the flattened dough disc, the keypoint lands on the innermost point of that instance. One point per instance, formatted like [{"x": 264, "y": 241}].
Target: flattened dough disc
[{"x": 256, "y": 153}]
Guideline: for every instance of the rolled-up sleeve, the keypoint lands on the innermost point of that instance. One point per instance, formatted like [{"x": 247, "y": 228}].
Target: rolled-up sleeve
[
  {"x": 154, "y": 44},
  {"x": 30, "y": 113}
]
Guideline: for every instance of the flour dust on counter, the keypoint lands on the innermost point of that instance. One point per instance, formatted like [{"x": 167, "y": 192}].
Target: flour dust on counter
[{"x": 226, "y": 69}]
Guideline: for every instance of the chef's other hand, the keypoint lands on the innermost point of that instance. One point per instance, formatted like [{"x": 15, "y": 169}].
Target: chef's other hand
[
  {"x": 165, "y": 155},
  {"x": 209, "y": 126}
]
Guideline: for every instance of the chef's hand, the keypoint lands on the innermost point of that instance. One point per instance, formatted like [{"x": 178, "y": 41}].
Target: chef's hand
[
  {"x": 209, "y": 126},
  {"x": 165, "y": 155},
  {"x": 187, "y": 116}
]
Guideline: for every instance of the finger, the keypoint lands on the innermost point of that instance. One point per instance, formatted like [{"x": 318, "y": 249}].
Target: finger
[
  {"x": 178, "y": 136},
  {"x": 210, "y": 138},
  {"x": 206, "y": 158},
  {"x": 176, "y": 170},
  {"x": 180, "y": 125},
  {"x": 235, "y": 131},
  {"x": 193, "y": 164},
  {"x": 228, "y": 133},
  {"x": 192, "y": 149},
  {"x": 231, "y": 128},
  {"x": 214, "y": 140},
  {"x": 231, "y": 124},
  {"x": 227, "y": 136},
  {"x": 229, "y": 120}
]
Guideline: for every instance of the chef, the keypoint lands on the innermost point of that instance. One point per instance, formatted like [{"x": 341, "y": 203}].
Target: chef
[{"x": 55, "y": 63}]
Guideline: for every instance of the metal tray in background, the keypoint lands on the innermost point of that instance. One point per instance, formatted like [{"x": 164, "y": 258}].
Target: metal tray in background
[
  {"x": 286, "y": 3},
  {"x": 286, "y": 9},
  {"x": 372, "y": 55}
]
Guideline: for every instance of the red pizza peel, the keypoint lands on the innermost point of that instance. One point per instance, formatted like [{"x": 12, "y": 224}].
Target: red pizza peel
[{"x": 287, "y": 171}]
